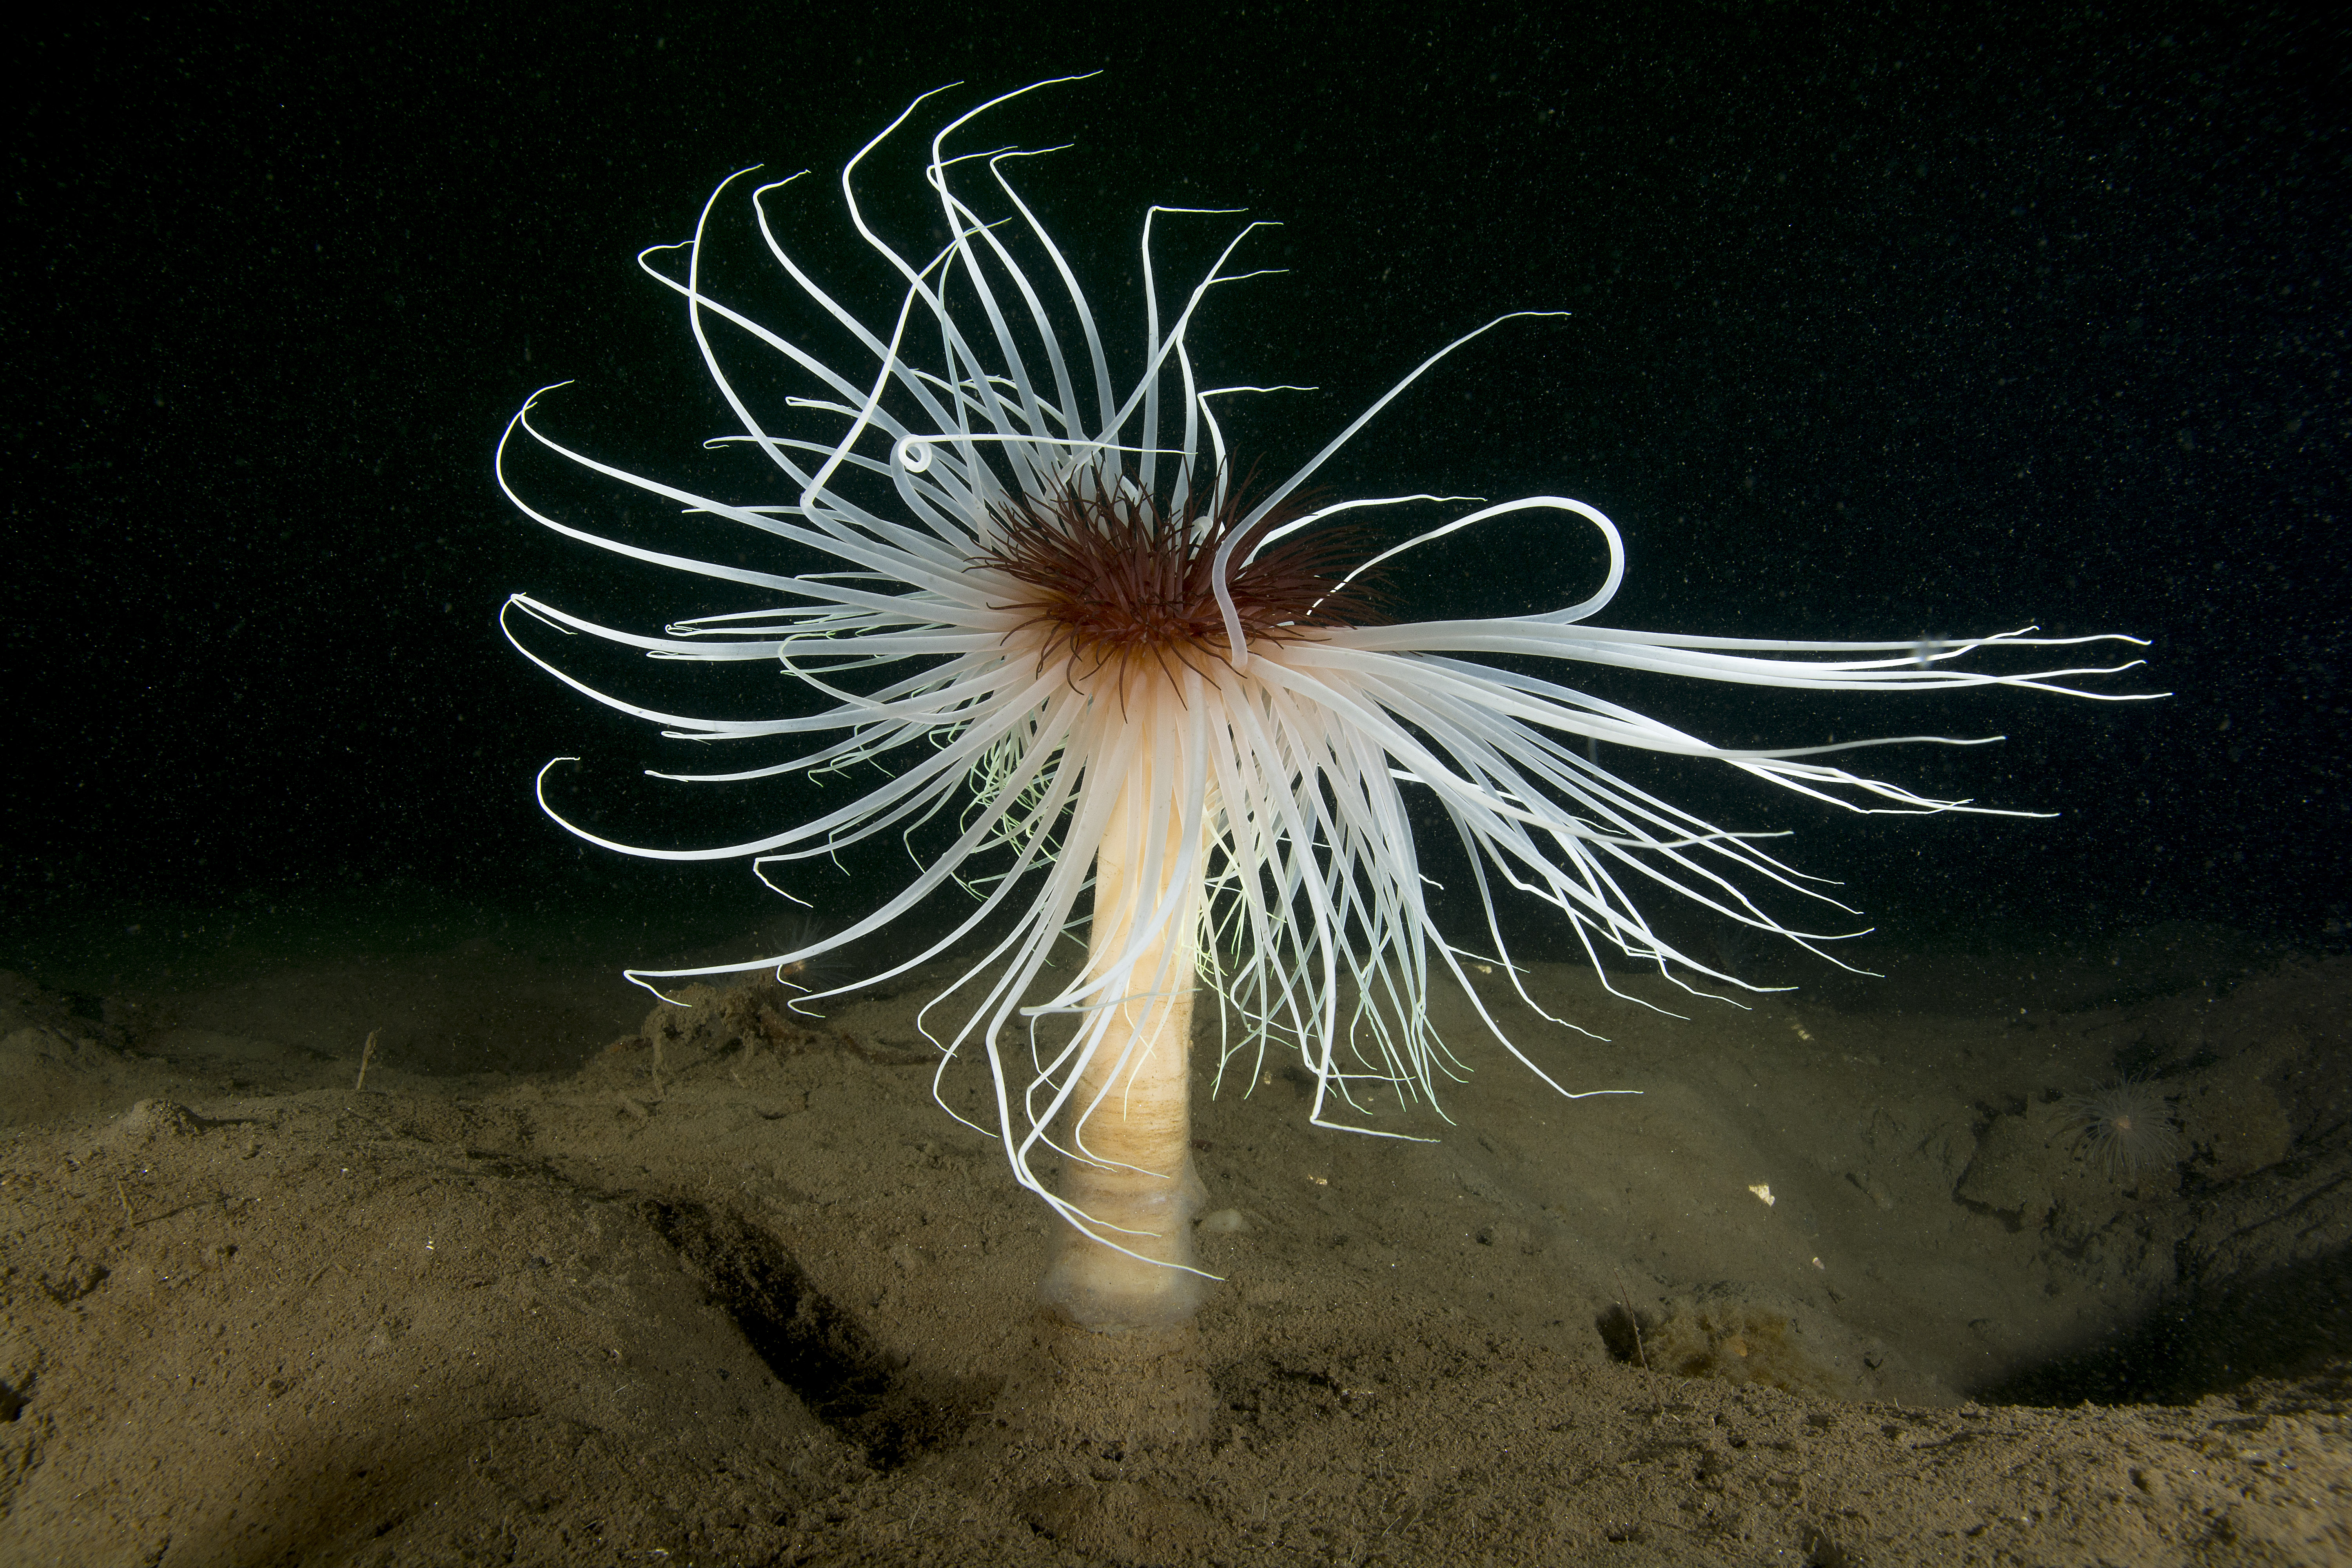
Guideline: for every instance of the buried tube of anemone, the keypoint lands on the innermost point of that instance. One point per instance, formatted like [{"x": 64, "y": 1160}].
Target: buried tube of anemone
[{"x": 1139, "y": 700}]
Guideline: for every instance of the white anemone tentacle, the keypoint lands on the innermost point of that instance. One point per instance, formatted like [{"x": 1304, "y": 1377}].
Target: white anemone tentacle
[{"x": 1278, "y": 774}]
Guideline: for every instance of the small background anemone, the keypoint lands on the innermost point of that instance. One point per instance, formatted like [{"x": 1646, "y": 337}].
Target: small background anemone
[
  {"x": 2125, "y": 1128},
  {"x": 805, "y": 977}
]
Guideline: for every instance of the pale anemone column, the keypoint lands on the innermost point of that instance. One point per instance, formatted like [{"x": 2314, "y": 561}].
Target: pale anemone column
[{"x": 1127, "y": 1160}]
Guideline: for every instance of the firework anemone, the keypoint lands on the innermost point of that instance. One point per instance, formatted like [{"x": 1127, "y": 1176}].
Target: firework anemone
[
  {"x": 2124, "y": 1127},
  {"x": 1110, "y": 689}
]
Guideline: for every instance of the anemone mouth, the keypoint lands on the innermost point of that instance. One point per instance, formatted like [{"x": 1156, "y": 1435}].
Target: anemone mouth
[{"x": 1108, "y": 578}]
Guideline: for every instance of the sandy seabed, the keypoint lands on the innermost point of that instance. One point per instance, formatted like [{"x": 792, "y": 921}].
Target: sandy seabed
[{"x": 737, "y": 1290}]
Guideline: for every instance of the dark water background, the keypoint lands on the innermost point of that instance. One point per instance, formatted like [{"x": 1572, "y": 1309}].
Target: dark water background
[{"x": 1913, "y": 323}]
